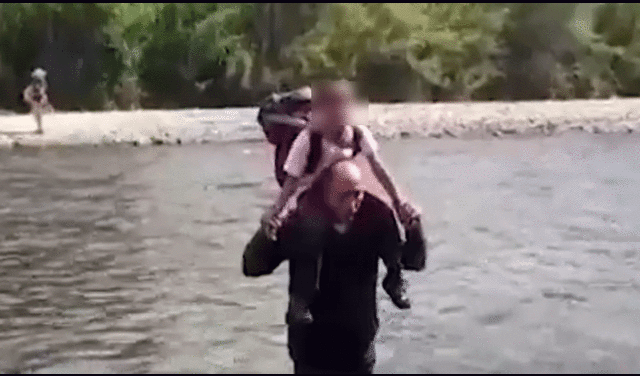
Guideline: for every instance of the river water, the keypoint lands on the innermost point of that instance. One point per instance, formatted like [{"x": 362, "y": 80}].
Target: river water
[{"x": 124, "y": 259}]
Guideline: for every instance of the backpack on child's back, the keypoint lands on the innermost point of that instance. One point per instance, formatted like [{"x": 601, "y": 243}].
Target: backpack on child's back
[{"x": 282, "y": 117}]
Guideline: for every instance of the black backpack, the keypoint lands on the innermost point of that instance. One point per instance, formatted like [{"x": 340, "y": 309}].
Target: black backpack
[
  {"x": 276, "y": 115},
  {"x": 281, "y": 127}
]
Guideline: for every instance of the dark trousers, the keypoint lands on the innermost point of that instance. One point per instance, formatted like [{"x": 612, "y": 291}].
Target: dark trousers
[
  {"x": 309, "y": 356},
  {"x": 301, "y": 368},
  {"x": 307, "y": 232},
  {"x": 303, "y": 244}
]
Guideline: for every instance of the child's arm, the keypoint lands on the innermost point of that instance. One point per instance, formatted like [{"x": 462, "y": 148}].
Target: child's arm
[
  {"x": 26, "y": 95},
  {"x": 288, "y": 189},
  {"x": 369, "y": 148},
  {"x": 385, "y": 179},
  {"x": 272, "y": 219},
  {"x": 294, "y": 167},
  {"x": 406, "y": 212}
]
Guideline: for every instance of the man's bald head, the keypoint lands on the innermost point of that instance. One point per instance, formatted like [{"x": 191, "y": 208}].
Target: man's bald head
[
  {"x": 345, "y": 173},
  {"x": 343, "y": 192}
]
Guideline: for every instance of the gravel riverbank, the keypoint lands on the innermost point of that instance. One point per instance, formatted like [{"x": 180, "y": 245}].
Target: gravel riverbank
[{"x": 459, "y": 120}]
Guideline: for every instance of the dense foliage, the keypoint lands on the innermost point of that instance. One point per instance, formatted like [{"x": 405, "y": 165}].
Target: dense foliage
[{"x": 127, "y": 55}]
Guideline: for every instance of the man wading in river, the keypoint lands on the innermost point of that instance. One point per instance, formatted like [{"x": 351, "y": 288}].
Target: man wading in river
[{"x": 341, "y": 337}]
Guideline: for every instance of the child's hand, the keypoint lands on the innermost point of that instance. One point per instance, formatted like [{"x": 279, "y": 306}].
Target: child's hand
[
  {"x": 271, "y": 222},
  {"x": 407, "y": 213}
]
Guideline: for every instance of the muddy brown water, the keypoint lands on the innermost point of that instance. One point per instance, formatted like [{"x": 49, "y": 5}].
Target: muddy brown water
[{"x": 124, "y": 259}]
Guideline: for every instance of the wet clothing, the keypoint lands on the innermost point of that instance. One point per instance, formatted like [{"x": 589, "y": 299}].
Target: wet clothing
[{"x": 342, "y": 335}]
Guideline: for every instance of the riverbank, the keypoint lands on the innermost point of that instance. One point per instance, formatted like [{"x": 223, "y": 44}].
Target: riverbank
[{"x": 459, "y": 120}]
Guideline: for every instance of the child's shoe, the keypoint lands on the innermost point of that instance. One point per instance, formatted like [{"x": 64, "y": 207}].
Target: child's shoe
[
  {"x": 395, "y": 287},
  {"x": 298, "y": 312}
]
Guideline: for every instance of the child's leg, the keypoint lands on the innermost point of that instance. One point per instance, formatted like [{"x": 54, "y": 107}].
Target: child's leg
[
  {"x": 303, "y": 286},
  {"x": 394, "y": 283},
  {"x": 303, "y": 244},
  {"x": 38, "y": 115}
]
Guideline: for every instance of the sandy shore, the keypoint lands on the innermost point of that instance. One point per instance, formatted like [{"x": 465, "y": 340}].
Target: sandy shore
[{"x": 466, "y": 120}]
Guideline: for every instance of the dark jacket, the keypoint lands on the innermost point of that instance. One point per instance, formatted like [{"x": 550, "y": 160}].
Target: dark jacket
[{"x": 345, "y": 310}]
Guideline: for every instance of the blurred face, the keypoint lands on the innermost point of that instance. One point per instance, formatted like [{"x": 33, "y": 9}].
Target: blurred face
[
  {"x": 344, "y": 194},
  {"x": 37, "y": 83},
  {"x": 332, "y": 106}
]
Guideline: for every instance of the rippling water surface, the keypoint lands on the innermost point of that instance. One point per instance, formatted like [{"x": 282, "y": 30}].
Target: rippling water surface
[{"x": 126, "y": 259}]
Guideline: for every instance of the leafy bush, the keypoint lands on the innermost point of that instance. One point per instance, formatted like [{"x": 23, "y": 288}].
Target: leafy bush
[
  {"x": 65, "y": 39},
  {"x": 170, "y": 47},
  {"x": 450, "y": 46},
  {"x": 175, "y": 54},
  {"x": 613, "y": 46}
]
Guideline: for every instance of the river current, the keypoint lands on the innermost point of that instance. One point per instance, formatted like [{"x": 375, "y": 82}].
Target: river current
[{"x": 125, "y": 259}]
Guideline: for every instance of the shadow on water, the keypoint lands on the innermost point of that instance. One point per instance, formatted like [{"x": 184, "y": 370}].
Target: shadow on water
[{"x": 126, "y": 259}]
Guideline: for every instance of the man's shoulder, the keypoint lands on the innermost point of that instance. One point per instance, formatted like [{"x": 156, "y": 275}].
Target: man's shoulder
[
  {"x": 375, "y": 211},
  {"x": 370, "y": 200}
]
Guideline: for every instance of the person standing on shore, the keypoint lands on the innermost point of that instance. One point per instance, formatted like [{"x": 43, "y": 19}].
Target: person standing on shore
[{"x": 36, "y": 96}]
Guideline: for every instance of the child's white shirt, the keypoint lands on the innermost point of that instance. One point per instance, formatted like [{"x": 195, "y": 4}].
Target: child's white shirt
[{"x": 298, "y": 157}]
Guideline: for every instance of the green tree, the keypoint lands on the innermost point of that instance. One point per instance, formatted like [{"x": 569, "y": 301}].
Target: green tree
[
  {"x": 612, "y": 46},
  {"x": 63, "y": 38},
  {"x": 451, "y": 46}
]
